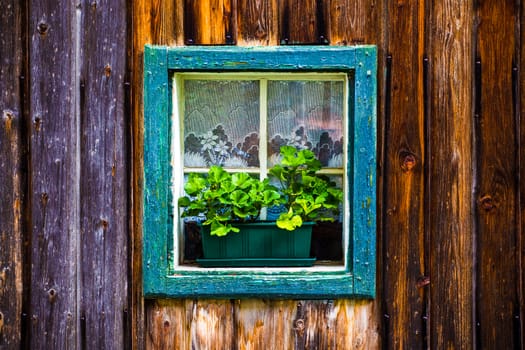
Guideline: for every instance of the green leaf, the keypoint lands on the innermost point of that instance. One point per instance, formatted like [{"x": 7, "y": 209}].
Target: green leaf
[
  {"x": 242, "y": 180},
  {"x": 196, "y": 184},
  {"x": 239, "y": 198},
  {"x": 217, "y": 175},
  {"x": 289, "y": 221}
]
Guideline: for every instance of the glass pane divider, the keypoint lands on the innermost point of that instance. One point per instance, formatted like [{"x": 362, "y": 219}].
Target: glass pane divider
[{"x": 263, "y": 134}]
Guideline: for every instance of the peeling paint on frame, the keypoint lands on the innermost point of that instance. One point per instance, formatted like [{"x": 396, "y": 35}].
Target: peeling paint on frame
[{"x": 357, "y": 279}]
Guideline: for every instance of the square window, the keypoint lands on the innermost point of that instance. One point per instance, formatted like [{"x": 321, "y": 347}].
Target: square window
[{"x": 235, "y": 107}]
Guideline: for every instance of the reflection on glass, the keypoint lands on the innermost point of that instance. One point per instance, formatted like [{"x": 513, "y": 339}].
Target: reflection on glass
[
  {"x": 306, "y": 114},
  {"x": 221, "y": 123}
]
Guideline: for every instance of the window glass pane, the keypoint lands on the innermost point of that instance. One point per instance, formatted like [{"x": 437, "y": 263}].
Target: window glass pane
[
  {"x": 221, "y": 123},
  {"x": 307, "y": 114}
]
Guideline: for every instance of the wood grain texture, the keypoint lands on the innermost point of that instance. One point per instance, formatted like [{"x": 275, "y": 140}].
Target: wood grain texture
[
  {"x": 404, "y": 171},
  {"x": 54, "y": 175},
  {"x": 520, "y": 129},
  {"x": 190, "y": 324},
  {"x": 261, "y": 324},
  {"x": 355, "y": 22},
  {"x": 12, "y": 183},
  {"x": 153, "y": 22},
  {"x": 303, "y": 22},
  {"x": 451, "y": 228},
  {"x": 497, "y": 287},
  {"x": 210, "y": 22},
  {"x": 257, "y": 22},
  {"x": 104, "y": 169}
]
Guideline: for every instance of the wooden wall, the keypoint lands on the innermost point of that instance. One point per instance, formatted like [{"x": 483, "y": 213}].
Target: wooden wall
[{"x": 451, "y": 190}]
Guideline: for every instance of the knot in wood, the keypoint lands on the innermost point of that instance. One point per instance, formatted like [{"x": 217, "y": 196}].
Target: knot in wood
[
  {"x": 8, "y": 114},
  {"x": 408, "y": 161},
  {"x": 299, "y": 326},
  {"x": 422, "y": 281},
  {"x": 37, "y": 123},
  {"x": 42, "y": 28},
  {"x": 52, "y": 295},
  {"x": 487, "y": 203},
  {"x": 44, "y": 198},
  {"x": 107, "y": 70}
]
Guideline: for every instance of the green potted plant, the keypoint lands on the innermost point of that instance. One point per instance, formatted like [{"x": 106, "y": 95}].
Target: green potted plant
[{"x": 231, "y": 206}]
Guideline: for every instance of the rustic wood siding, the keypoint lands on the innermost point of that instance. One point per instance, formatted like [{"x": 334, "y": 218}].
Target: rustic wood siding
[
  {"x": 497, "y": 187},
  {"x": 12, "y": 179},
  {"x": 451, "y": 196},
  {"x": 65, "y": 161}
]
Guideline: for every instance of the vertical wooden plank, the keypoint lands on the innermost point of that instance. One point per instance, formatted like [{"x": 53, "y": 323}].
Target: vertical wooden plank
[
  {"x": 104, "y": 185},
  {"x": 153, "y": 22},
  {"x": 257, "y": 22},
  {"x": 451, "y": 228},
  {"x": 519, "y": 83},
  {"x": 403, "y": 254},
  {"x": 497, "y": 279},
  {"x": 356, "y": 22},
  {"x": 210, "y": 22},
  {"x": 303, "y": 22},
  {"x": 212, "y": 325},
  {"x": 54, "y": 174},
  {"x": 12, "y": 182},
  {"x": 168, "y": 324},
  {"x": 324, "y": 325}
]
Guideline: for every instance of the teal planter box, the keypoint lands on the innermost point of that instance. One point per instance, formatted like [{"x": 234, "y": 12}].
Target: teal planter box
[{"x": 258, "y": 244}]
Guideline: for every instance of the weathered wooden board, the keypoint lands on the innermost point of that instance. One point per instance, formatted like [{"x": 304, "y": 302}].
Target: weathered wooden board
[
  {"x": 12, "y": 177},
  {"x": 261, "y": 324},
  {"x": 403, "y": 187},
  {"x": 519, "y": 91},
  {"x": 497, "y": 252},
  {"x": 450, "y": 219},
  {"x": 303, "y": 22},
  {"x": 160, "y": 22},
  {"x": 257, "y": 22},
  {"x": 54, "y": 172},
  {"x": 356, "y": 22},
  {"x": 104, "y": 182},
  {"x": 210, "y": 22},
  {"x": 181, "y": 329}
]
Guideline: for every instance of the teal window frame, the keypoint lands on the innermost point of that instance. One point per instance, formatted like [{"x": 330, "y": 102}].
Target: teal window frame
[{"x": 358, "y": 277}]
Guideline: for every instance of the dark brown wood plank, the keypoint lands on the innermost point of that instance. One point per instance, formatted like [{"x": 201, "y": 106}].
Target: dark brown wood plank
[
  {"x": 303, "y": 21},
  {"x": 104, "y": 180},
  {"x": 210, "y": 22},
  {"x": 404, "y": 186},
  {"x": 520, "y": 123},
  {"x": 257, "y": 22},
  {"x": 54, "y": 175},
  {"x": 12, "y": 183},
  {"x": 497, "y": 293},
  {"x": 450, "y": 223}
]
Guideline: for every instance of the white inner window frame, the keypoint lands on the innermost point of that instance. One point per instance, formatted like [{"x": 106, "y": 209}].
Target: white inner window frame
[{"x": 177, "y": 157}]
